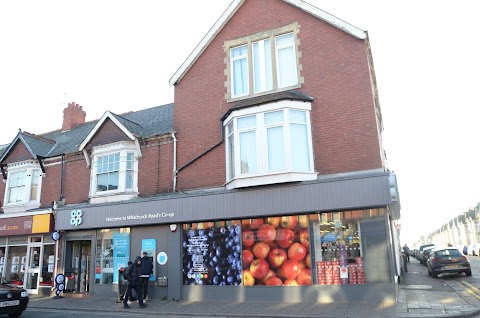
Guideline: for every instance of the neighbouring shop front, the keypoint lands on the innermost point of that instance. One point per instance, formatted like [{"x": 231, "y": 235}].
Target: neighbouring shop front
[
  {"x": 323, "y": 241},
  {"x": 27, "y": 251}
]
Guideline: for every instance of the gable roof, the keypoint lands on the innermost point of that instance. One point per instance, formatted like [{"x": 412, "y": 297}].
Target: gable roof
[
  {"x": 230, "y": 11},
  {"x": 37, "y": 146},
  {"x": 144, "y": 123}
]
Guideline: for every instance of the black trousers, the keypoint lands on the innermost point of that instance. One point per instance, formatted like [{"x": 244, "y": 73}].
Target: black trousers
[
  {"x": 144, "y": 284},
  {"x": 138, "y": 290}
]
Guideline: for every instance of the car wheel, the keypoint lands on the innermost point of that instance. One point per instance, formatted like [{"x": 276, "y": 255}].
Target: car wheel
[
  {"x": 16, "y": 314},
  {"x": 468, "y": 273},
  {"x": 434, "y": 275}
]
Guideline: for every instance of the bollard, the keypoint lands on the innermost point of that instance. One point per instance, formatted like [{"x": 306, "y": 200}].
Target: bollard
[{"x": 405, "y": 262}]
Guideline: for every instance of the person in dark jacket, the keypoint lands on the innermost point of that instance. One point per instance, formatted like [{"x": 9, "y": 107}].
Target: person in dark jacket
[
  {"x": 132, "y": 273},
  {"x": 145, "y": 270}
]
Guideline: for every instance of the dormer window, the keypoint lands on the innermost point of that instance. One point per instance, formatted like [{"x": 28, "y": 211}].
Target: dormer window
[
  {"x": 114, "y": 175},
  {"x": 23, "y": 187}
]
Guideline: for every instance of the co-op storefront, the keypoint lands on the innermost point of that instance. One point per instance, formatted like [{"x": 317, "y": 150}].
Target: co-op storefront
[{"x": 323, "y": 241}]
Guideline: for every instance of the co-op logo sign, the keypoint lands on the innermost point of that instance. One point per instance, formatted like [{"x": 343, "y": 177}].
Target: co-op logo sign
[{"x": 76, "y": 217}]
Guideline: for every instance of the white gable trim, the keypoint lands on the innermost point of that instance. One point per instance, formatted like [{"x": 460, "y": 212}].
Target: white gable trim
[
  {"x": 207, "y": 39},
  {"x": 330, "y": 19},
  {"x": 234, "y": 6},
  {"x": 99, "y": 124}
]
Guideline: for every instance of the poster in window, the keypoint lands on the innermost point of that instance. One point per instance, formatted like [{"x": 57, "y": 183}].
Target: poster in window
[
  {"x": 212, "y": 253},
  {"x": 50, "y": 268},
  {"x": 15, "y": 259},
  {"x": 24, "y": 258},
  {"x": 51, "y": 259}
]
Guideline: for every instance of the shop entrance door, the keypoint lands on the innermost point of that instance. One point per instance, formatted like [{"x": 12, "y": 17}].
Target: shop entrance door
[
  {"x": 77, "y": 266},
  {"x": 32, "y": 269}
]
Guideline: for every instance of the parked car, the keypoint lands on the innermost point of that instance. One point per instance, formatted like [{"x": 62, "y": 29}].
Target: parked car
[
  {"x": 426, "y": 254},
  {"x": 420, "y": 250},
  {"x": 447, "y": 261},
  {"x": 13, "y": 299},
  {"x": 471, "y": 249},
  {"x": 465, "y": 250}
]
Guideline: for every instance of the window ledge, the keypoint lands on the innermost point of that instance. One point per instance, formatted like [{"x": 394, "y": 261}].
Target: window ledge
[
  {"x": 251, "y": 181},
  {"x": 113, "y": 197},
  {"x": 20, "y": 207}
]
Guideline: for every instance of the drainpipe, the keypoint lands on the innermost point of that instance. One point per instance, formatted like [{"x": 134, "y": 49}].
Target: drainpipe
[
  {"x": 174, "y": 162},
  {"x": 61, "y": 178}
]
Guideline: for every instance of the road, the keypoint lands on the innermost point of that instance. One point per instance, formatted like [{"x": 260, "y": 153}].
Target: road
[{"x": 471, "y": 283}]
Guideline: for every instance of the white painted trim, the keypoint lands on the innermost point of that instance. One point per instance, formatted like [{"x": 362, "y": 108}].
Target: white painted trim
[
  {"x": 252, "y": 181},
  {"x": 230, "y": 11},
  {"x": 207, "y": 39},
  {"x": 99, "y": 124},
  {"x": 330, "y": 19},
  {"x": 8, "y": 215}
]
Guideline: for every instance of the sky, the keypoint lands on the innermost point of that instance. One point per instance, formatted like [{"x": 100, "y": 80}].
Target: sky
[{"x": 120, "y": 55}]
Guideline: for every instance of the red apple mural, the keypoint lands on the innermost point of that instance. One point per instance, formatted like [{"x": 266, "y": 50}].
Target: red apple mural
[
  {"x": 284, "y": 237},
  {"x": 248, "y": 279},
  {"x": 297, "y": 252},
  {"x": 266, "y": 233},
  {"x": 248, "y": 238},
  {"x": 304, "y": 238},
  {"x": 261, "y": 250},
  {"x": 290, "y": 269},
  {"x": 305, "y": 277},
  {"x": 277, "y": 257},
  {"x": 274, "y": 281},
  {"x": 247, "y": 258},
  {"x": 259, "y": 268},
  {"x": 274, "y": 221},
  {"x": 255, "y": 223},
  {"x": 289, "y": 222}
]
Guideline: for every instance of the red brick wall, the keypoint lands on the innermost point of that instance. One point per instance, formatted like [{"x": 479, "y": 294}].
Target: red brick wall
[
  {"x": 18, "y": 153},
  {"x": 155, "y": 169},
  {"x": 107, "y": 133},
  {"x": 335, "y": 72}
]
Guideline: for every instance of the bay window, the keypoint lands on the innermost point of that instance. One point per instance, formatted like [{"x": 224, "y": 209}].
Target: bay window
[
  {"x": 269, "y": 144},
  {"x": 263, "y": 62},
  {"x": 114, "y": 173},
  {"x": 23, "y": 187}
]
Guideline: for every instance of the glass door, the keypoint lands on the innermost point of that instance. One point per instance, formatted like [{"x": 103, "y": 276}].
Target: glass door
[
  {"x": 32, "y": 268},
  {"x": 77, "y": 267}
]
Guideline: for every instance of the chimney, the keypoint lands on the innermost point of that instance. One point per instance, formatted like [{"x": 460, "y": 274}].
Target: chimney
[{"x": 73, "y": 116}]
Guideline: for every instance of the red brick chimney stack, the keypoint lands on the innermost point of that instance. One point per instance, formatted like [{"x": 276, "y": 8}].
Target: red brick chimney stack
[{"x": 73, "y": 116}]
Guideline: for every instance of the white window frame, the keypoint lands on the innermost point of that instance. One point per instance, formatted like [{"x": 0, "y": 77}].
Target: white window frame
[
  {"x": 235, "y": 178},
  {"x": 27, "y": 203},
  {"x": 122, "y": 192},
  {"x": 264, "y": 84}
]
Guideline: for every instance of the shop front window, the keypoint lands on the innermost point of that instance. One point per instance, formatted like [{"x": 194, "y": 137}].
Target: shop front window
[
  {"x": 48, "y": 265},
  {"x": 212, "y": 253},
  {"x": 2, "y": 261},
  {"x": 290, "y": 250},
  {"x": 15, "y": 264},
  {"x": 112, "y": 253}
]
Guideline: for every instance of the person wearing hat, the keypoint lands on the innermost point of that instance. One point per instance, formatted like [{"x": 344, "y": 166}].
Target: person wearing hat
[
  {"x": 132, "y": 273},
  {"x": 145, "y": 270}
]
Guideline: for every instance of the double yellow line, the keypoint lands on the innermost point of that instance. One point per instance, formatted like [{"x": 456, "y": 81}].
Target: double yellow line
[{"x": 474, "y": 291}]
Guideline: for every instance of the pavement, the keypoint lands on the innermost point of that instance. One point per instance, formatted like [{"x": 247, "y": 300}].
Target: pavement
[{"x": 420, "y": 296}]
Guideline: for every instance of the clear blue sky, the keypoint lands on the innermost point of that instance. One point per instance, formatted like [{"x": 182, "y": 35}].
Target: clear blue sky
[{"x": 119, "y": 56}]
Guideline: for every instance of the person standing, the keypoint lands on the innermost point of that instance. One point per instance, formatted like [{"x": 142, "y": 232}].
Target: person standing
[
  {"x": 406, "y": 251},
  {"x": 132, "y": 273},
  {"x": 145, "y": 270}
]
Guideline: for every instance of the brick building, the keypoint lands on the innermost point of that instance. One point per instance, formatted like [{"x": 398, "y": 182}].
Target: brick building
[{"x": 268, "y": 171}]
